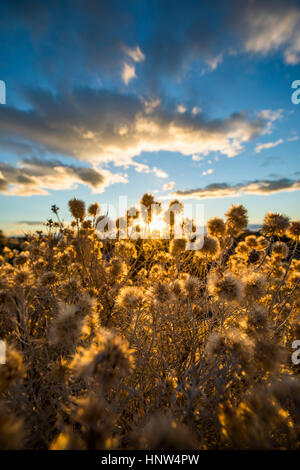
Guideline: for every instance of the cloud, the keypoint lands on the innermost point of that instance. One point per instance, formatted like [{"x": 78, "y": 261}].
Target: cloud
[
  {"x": 135, "y": 53},
  {"x": 271, "y": 114},
  {"x": 213, "y": 62},
  {"x": 197, "y": 158},
  {"x": 268, "y": 145},
  {"x": 34, "y": 176},
  {"x": 181, "y": 108},
  {"x": 271, "y": 29},
  {"x": 160, "y": 173},
  {"x": 210, "y": 171},
  {"x": 128, "y": 73},
  {"x": 169, "y": 186},
  {"x": 100, "y": 126},
  {"x": 258, "y": 187},
  {"x": 30, "y": 222},
  {"x": 143, "y": 168},
  {"x": 174, "y": 39},
  {"x": 196, "y": 110}
]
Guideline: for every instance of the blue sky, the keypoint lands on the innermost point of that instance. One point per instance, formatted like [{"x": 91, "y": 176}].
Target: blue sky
[{"x": 106, "y": 99}]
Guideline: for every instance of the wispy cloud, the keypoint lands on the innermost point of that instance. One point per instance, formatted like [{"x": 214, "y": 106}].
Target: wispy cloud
[
  {"x": 135, "y": 53},
  {"x": 258, "y": 187},
  {"x": 268, "y": 145},
  {"x": 271, "y": 29},
  {"x": 30, "y": 222},
  {"x": 169, "y": 186}
]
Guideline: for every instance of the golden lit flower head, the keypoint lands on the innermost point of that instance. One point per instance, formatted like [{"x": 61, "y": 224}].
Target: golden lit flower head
[
  {"x": 177, "y": 245},
  {"x": 257, "y": 320},
  {"x": 178, "y": 287},
  {"x": 23, "y": 276},
  {"x": 294, "y": 231},
  {"x": 251, "y": 241},
  {"x": 66, "y": 326},
  {"x": 108, "y": 358},
  {"x": 162, "y": 292},
  {"x": 20, "y": 260},
  {"x": 130, "y": 297},
  {"x": 242, "y": 249},
  {"x": 216, "y": 227},
  {"x": 70, "y": 290},
  {"x": 280, "y": 250},
  {"x": 77, "y": 208},
  {"x": 49, "y": 278},
  {"x": 86, "y": 224},
  {"x": 192, "y": 286},
  {"x": 117, "y": 267},
  {"x": 210, "y": 247},
  {"x": 262, "y": 243},
  {"x": 226, "y": 288},
  {"x": 237, "y": 219},
  {"x": 94, "y": 209},
  {"x": 162, "y": 257},
  {"x": 156, "y": 272},
  {"x": 125, "y": 249},
  {"x": 254, "y": 286},
  {"x": 275, "y": 224}
]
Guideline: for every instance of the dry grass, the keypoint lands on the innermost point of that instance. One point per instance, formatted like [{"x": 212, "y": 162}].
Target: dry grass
[{"x": 143, "y": 345}]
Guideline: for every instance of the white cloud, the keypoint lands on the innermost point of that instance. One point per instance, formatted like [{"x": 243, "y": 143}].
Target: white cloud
[
  {"x": 181, "y": 108},
  {"x": 196, "y": 110},
  {"x": 213, "y": 62},
  {"x": 128, "y": 73},
  {"x": 210, "y": 171},
  {"x": 150, "y": 105},
  {"x": 268, "y": 145},
  {"x": 160, "y": 173},
  {"x": 169, "y": 186},
  {"x": 135, "y": 53},
  {"x": 271, "y": 114},
  {"x": 143, "y": 168},
  {"x": 197, "y": 158}
]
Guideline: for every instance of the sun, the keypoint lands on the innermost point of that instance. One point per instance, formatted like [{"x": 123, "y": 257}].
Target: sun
[{"x": 157, "y": 224}]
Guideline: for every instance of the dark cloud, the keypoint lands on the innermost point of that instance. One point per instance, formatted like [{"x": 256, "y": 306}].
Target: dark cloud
[
  {"x": 81, "y": 41},
  {"x": 34, "y": 176},
  {"x": 29, "y": 222},
  {"x": 102, "y": 126},
  {"x": 259, "y": 187}
]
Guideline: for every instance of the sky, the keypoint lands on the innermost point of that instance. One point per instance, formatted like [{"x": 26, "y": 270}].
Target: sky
[{"x": 189, "y": 100}]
